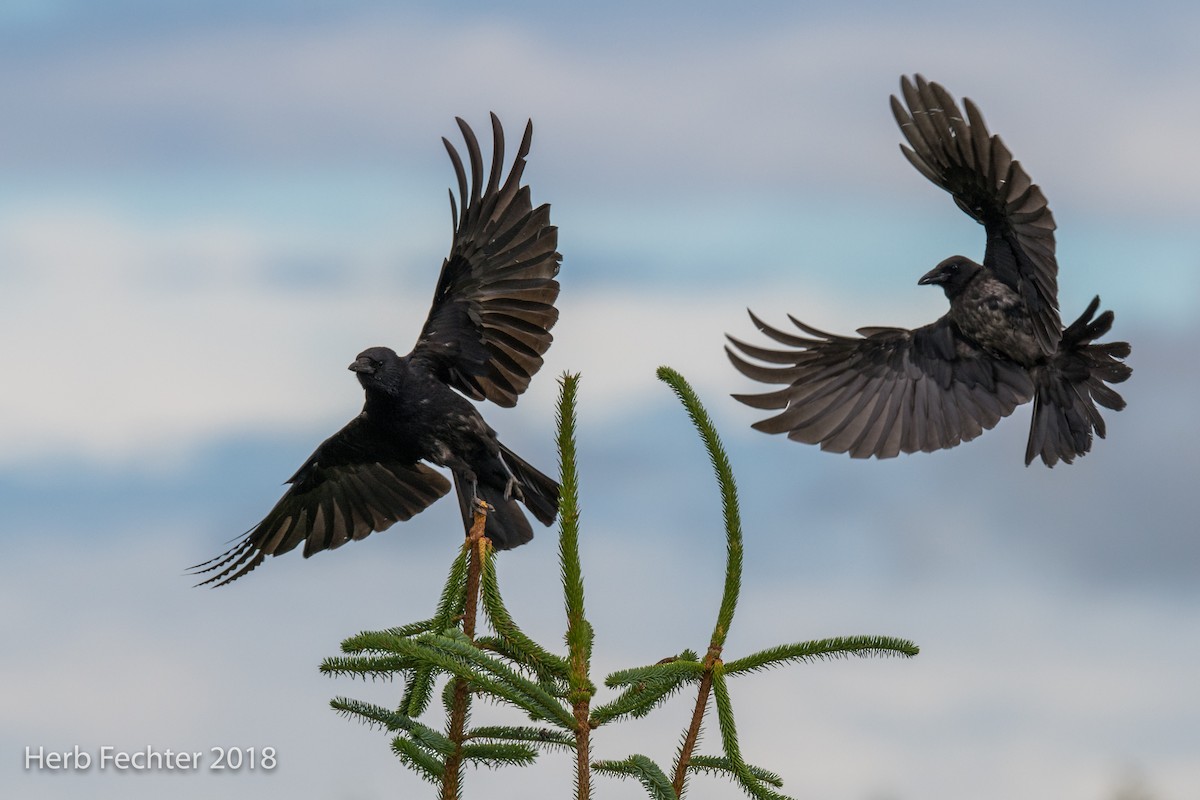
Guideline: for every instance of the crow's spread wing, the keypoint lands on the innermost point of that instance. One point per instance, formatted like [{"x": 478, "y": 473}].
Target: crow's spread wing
[
  {"x": 888, "y": 391},
  {"x": 494, "y": 304},
  {"x": 350, "y": 487},
  {"x": 957, "y": 153}
]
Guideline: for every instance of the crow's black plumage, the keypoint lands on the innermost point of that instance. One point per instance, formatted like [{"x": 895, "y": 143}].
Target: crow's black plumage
[
  {"x": 892, "y": 390},
  {"x": 487, "y": 330}
]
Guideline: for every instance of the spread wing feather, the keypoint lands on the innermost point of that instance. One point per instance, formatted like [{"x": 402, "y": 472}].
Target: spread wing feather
[
  {"x": 352, "y": 486},
  {"x": 889, "y": 391},
  {"x": 957, "y": 153},
  {"x": 493, "y": 307}
]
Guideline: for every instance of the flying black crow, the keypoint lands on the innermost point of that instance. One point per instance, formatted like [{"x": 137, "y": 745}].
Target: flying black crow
[
  {"x": 489, "y": 325},
  {"x": 892, "y": 390}
]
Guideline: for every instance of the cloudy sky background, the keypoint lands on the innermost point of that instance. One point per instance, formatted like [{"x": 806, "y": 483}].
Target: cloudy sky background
[{"x": 206, "y": 210}]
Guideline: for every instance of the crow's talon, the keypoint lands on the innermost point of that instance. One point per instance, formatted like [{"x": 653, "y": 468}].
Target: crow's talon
[{"x": 512, "y": 490}]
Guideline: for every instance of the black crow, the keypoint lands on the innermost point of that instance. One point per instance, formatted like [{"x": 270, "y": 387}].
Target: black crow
[
  {"x": 489, "y": 325},
  {"x": 892, "y": 390}
]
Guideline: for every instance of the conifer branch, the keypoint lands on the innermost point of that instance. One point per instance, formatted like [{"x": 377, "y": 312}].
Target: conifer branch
[
  {"x": 686, "y": 661},
  {"x": 513, "y": 643},
  {"x": 542, "y": 737},
  {"x": 418, "y": 689},
  {"x": 644, "y": 770},
  {"x": 579, "y": 634},
  {"x": 547, "y": 680},
  {"x": 729, "y": 742},
  {"x": 647, "y": 688},
  {"x": 382, "y": 641},
  {"x": 729, "y": 499},
  {"x": 733, "y": 564},
  {"x": 568, "y": 515},
  {"x": 691, "y": 737},
  {"x": 718, "y": 765},
  {"x": 457, "y": 655},
  {"x": 371, "y": 642},
  {"x": 495, "y": 754},
  {"x": 413, "y": 628},
  {"x": 373, "y": 667},
  {"x": 390, "y": 720},
  {"x": 840, "y": 647},
  {"x": 425, "y": 765}
]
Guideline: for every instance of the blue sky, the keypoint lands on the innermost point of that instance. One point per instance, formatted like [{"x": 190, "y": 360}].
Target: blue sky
[{"x": 207, "y": 209}]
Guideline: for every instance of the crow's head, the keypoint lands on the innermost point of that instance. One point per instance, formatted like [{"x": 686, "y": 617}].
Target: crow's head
[
  {"x": 377, "y": 367},
  {"x": 952, "y": 275}
]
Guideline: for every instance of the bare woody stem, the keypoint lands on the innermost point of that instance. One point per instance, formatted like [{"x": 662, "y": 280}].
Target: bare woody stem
[
  {"x": 583, "y": 770},
  {"x": 476, "y": 541},
  {"x": 688, "y": 748}
]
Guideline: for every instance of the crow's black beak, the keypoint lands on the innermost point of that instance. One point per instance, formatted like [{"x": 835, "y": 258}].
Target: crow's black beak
[
  {"x": 934, "y": 276},
  {"x": 363, "y": 365}
]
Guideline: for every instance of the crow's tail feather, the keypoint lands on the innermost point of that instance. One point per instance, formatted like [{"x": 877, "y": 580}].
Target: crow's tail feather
[
  {"x": 1068, "y": 390},
  {"x": 506, "y": 525},
  {"x": 539, "y": 492}
]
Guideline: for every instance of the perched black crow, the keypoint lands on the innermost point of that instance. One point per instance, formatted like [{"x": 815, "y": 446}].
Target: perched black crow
[
  {"x": 486, "y": 332},
  {"x": 892, "y": 390}
]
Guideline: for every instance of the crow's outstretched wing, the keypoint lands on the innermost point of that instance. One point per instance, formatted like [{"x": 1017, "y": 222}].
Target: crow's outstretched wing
[
  {"x": 957, "y": 153},
  {"x": 885, "y": 392},
  {"x": 494, "y": 304},
  {"x": 350, "y": 487}
]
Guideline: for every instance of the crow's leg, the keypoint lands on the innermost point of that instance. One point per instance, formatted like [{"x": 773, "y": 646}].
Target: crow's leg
[
  {"x": 477, "y": 502},
  {"x": 512, "y": 488}
]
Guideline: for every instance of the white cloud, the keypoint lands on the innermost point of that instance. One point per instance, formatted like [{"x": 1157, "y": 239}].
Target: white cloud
[
  {"x": 136, "y": 340},
  {"x": 133, "y": 341},
  {"x": 801, "y": 104}
]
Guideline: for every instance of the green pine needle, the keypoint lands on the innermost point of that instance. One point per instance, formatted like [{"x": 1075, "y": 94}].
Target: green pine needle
[
  {"x": 418, "y": 691},
  {"x": 839, "y": 647},
  {"x": 647, "y": 688},
  {"x": 454, "y": 595},
  {"x": 414, "y": 628},
  {"x": 685, "y": 664},
  {"x": 722, "y": 766},
  {"x": 729, "y": 741},
  {"x": 658, "y": 685},
  {"x": 418, "y": 688},
  {"x": 542, "y": 737},
  {"x": 517, "y": 646},
  {"x": 373, "y": 667},
  {"x": 652, "y": 778},
  {"x": 419, "y": 761},
  {"x": 457, "y": 655},
  {"x": 579, "y": 633},
  {"x": 551, "y": 684},
  {"x": 371, "y": 642},
  {"x": 495, "y": 755},
  {"x": 393, "y": 721}
]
